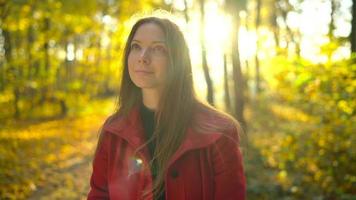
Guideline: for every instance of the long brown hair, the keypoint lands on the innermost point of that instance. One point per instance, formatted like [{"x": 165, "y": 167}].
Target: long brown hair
[
  {"x": 177, "y": 104},
  {"x": 177, "y": 100}
]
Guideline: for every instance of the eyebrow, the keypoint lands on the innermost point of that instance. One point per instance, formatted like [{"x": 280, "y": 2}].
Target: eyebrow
[{"x": 157, "y": 41}]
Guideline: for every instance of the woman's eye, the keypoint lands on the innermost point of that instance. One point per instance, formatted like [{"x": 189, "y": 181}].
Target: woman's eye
[
  {"x": 159, "y": 49},
  {"x": 135, "y": 46}
]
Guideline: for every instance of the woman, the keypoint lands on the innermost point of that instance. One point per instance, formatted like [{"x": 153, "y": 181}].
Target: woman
[{"x": 163, "y": 143}]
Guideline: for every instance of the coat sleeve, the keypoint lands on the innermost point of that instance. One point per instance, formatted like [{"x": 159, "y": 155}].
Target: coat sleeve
[
  {"x": 98, "y": 180},
  {"x": 229, "y": 179}
]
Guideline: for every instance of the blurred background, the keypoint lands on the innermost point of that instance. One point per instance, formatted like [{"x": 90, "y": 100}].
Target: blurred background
[{"x": 286, "y": 69}]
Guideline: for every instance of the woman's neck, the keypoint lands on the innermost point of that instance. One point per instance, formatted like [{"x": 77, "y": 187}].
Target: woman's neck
[{"x": 150, "y": 98}]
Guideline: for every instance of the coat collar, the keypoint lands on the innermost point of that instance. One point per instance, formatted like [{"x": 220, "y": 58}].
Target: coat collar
[{"x": 130, "y": 128}]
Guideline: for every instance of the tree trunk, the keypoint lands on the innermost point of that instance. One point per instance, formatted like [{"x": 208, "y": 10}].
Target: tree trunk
[
  {"x": 44, "y": 73},
  {"x": 186, "y": 15},
  {"x": 289, "y": 34},
  {"x": 226, "y": 86},
  {"x": 209, "y": 82},
  {"x": 107, "y": 69},
  {"x": 30, "y": 40},
  {"x": 331, "y": 28},
  {"x": 274, "y": 25},
  {"x": 353, "y": 28},
  {"x": 237, "y": 73},
  {"x": 257, "y": 61},
  {"x": 7, "y": 47},
  {"x": 12, "y": 71},
  {"x": 46, "y": 45},
  {"x": 332, "y": 23},
  {"x": 2, "y": 75},
  {"x": 4, "y": 11}
]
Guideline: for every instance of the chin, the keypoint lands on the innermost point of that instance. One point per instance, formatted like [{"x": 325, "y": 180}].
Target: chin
[{"x": 144, "y": 85}]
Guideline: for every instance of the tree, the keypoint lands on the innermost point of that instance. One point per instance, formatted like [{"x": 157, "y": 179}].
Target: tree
[
  {"x": 234, "y": 8},
  {"x": 226, "y": 86},
  {"x": 292, "y": 36},
  {"x": 353, "y": 28},
  {"x": 257, "y": 61},
  {"x": 62, "y": 59},
  {"x": 209, "y": 82},
  {"x": 274, "y": 24}
]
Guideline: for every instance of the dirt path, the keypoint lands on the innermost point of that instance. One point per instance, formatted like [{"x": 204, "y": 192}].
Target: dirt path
[
  {"x": 70, "y": 178},
  {"x": 69, "y": 183}
]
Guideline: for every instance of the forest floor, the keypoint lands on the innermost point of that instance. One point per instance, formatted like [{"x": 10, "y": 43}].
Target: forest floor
[{"x": 52, "y": 159}]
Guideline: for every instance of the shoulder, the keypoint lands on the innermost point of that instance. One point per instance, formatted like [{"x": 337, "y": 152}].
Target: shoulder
[
  {"x": 118, "y": 120},
  {"x": 114, "y": 120},
  {"x": 112, "y": 125},
  {"x": 207, "y": 119},
  {"x": 231, "y": 135}
]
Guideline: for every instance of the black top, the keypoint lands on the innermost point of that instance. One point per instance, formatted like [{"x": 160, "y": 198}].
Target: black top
[{"x": 148, "y": 121}]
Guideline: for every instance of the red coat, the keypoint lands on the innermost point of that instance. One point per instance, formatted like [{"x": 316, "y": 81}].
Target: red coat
[{"x": 206, "y": 166}]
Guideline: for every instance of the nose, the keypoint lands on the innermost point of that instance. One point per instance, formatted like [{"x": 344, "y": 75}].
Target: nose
[{"x": 144, "y": 57}]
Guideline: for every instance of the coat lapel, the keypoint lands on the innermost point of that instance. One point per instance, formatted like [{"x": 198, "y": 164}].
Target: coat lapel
[
  {"x": 194, "y": 140},
  {"x": 130, "y": 128}
]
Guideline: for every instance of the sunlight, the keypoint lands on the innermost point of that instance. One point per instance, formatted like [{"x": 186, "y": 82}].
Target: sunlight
[
  {"x": 70, "y": 50},
  {"x": 315, "y": 18},
  {"x": 247, "y": 39},
  {"x": 218, "y": 30},
  {"x": 217, "y": 42}
]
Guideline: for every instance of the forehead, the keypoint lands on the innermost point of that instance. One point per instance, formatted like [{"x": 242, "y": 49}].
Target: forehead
[{"x": 149, "y": 32}]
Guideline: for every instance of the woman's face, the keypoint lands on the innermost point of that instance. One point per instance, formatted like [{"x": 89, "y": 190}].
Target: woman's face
[{"x": 148, "y": 57}]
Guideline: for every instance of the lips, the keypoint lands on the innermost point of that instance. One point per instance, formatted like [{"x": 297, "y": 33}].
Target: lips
[{"x": 143, "y": 72}]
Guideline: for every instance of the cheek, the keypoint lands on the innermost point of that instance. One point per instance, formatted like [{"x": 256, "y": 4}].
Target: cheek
[
  {"x": 130, "y": 64},
  {"x": 130, "y": 60},
  {"x": 163, "y": 69}
]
